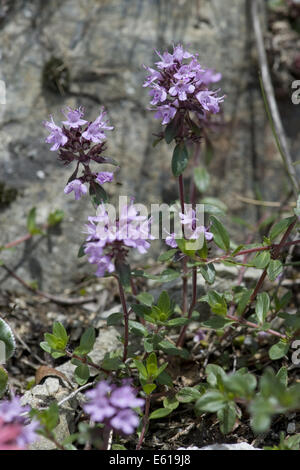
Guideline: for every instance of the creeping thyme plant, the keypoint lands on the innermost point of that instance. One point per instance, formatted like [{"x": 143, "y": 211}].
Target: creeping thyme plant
[{"x": 135, "y": 384}]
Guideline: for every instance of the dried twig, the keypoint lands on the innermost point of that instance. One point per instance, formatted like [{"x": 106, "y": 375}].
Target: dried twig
[{"x": 272, "y": 108}]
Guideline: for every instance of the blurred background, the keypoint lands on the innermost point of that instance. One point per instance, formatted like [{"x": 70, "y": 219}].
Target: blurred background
[{"x": 55, "y": 53}]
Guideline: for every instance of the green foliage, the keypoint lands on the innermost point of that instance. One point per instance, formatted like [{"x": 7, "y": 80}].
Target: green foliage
[
  {"x": 87, "y": 342},
  {"x": 180, "y": 159},
  {"x": 216, "y": 302},
  {"x": 262, "y": 307},
  {"x": 31, "y": 223},
  {"x": 54, "y": 218},
  {"x": 56, "y": 343},
  {"x": 221, "y": 237},
  {"x": 280, "y": 228},
  {"x": 201, "y": 178},
  {"x": 287, "y": 443},
  {"x": 3, "y": 381},
  {"x": 6, "y": 335},
  {"x": 225, "y": 391},
  {"x": 149, "y": 372}
]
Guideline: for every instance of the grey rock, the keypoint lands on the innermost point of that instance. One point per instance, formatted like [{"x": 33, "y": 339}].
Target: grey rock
[
  {"x": 102, "y": 45},
  {"x": 41, "y": 396}
]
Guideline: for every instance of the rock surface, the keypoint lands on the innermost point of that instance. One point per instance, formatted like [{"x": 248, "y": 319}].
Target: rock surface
[
  {"x": 41, "y": 396},
  {"x": 98, "y": 48}
]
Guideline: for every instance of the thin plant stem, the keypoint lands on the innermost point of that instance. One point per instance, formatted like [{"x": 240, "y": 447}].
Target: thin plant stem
[
  {"x": 145, "y": 422},
  {"x": 126, "y": 318},
  {"x": 181, "y": 337},
  {"x": 184, "y": 261}
]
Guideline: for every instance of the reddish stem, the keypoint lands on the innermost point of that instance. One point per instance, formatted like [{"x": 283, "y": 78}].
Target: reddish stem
[{"x": 145, "y": 422}]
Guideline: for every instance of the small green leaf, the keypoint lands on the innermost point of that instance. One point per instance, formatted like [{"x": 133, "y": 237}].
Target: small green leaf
[
  {"x": 262, "y": 260},
  {"x": 151, "y": 364},
  {"x": 149, "y": 388},
  {"x": 60, "y": 332},
  {"x": 180, "y": 159},
  {"x": 221, "y": 237},
  {"x": 208, "y": 272},
  {"x": 262, "y": 307},
  {"x": 171, "y": 403},
  {"x": 145, "y": 298},
  {"x": 87, "y": 342},
  {"x": 212, "y": 401},
  {"x": 280, "y": 227},
  {"x": 282, "y": 375},
  {"x": 31, "y": 223},
  {"x": 82, "y": 374},
  {"x": 243, "y": 302},
  {"x": 217, "y": 303},
  {"x": 115, "y": 319},
  {"x": 278, "y": 350},
  {"x": 188, "y": 395},
  {"x": 55, "y": 217},
  {"x": 227, "y": 417},
  {"x": 201, "y": 178},
  {"x": 141, "y": 368},
  {"x": 274, "y": 269},
  {"x": 138, "y": 328},
  {"x": 164, "y": 303},
  {"x": 167, "y": 255},
  {"x": 177, "y": 321},
  {"x": 111, "y": 363},
  {"x": 3, "y": 381},
  {"x": 160, "y": 413},
  {"x": 81, "y": 251}
]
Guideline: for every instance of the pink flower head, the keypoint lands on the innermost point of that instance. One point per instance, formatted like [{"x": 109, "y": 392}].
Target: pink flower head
[
  {"x": 74, "y": 117},
  {"x": 95, "y": 131},
  {"x": 104, "y": 177},
  {"x": 57, "y": 138},
  {"x": 152, "y": 77},
  {"x": 108, "y": 238},
  {"x": 209, "y": 101},
  {"x": 113, "y": 406},
  {"x": 167, "y": 60},
  {"x": 166, "y": 112},
  {"x": 77, "y": 186},
  {"x": 181, "y": 84},
  {"x": 171, "y": 240},
  {"x": 179, "y": 53},
  {"x": 181, "y": 88},
  {"x": 159, "y": 94},
  {"x": 15, "y": 431}
]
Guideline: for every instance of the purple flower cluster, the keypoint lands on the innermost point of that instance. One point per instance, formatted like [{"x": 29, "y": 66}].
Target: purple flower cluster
[
  {"x": 109, "y": 238},
  {"x": 179, "y": 85},
  {"x": 113, "y": 406},
  {"x": 192, "y": 229},
  {"x": 14, "y": 426},
  {"x": 81, "y": 141}
]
